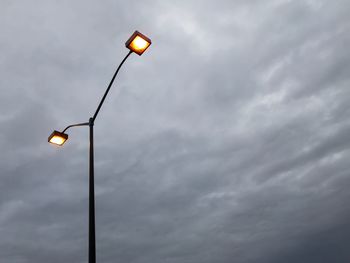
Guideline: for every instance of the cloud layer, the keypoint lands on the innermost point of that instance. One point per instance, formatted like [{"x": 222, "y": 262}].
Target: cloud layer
[{"x": 227, "y": 141}]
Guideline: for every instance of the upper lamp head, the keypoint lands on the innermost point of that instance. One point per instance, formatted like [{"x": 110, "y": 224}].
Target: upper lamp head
[
  {"x": 138, "y": 43},
  {"x": 57, "y": 138}
]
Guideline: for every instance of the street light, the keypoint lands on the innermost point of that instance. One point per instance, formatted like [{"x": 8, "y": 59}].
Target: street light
[
  {"x": 57, "y": 138},
  {"x": 137, "y": 43}
]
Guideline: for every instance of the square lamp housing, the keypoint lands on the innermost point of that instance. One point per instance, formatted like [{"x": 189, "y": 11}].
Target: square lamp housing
[
  {"x": 57, "y": 138},
  {"x": 138, "y": 43}
]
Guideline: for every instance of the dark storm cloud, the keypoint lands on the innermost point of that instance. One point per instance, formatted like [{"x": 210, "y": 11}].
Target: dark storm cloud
[{"x": 226, "y": 142}]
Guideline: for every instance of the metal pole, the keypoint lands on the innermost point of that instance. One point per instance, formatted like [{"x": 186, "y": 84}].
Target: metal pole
[{"x": 92, "y": 240}]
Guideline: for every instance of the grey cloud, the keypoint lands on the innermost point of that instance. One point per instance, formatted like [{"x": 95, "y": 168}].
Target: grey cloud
[{"x": 226, "y": 142}]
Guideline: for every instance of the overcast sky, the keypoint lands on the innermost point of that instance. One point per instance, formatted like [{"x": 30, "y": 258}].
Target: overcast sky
[{"x": 226, "y": 141}]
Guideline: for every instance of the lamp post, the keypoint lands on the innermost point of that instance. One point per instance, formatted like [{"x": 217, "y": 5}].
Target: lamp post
[{"x": 137, "y": 43}]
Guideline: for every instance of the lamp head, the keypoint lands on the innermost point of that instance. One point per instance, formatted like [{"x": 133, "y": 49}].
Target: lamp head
[
  {"x": 57, "y": 138},
  {"x": 138, "y": 43}
]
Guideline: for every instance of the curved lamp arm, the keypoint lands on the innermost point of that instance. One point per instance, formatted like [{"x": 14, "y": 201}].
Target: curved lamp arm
[
  {"x": 109, "y": 86},
  {"x": 59, "y": 138},
  {"x": 74, "y": 125},
  {"x": 102, "y": 100}
]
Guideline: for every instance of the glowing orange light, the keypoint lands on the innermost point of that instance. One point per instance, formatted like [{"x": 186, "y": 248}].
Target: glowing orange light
[
  {"x": 138, "y": 43},
  {"x": 57, "y": 138}
]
